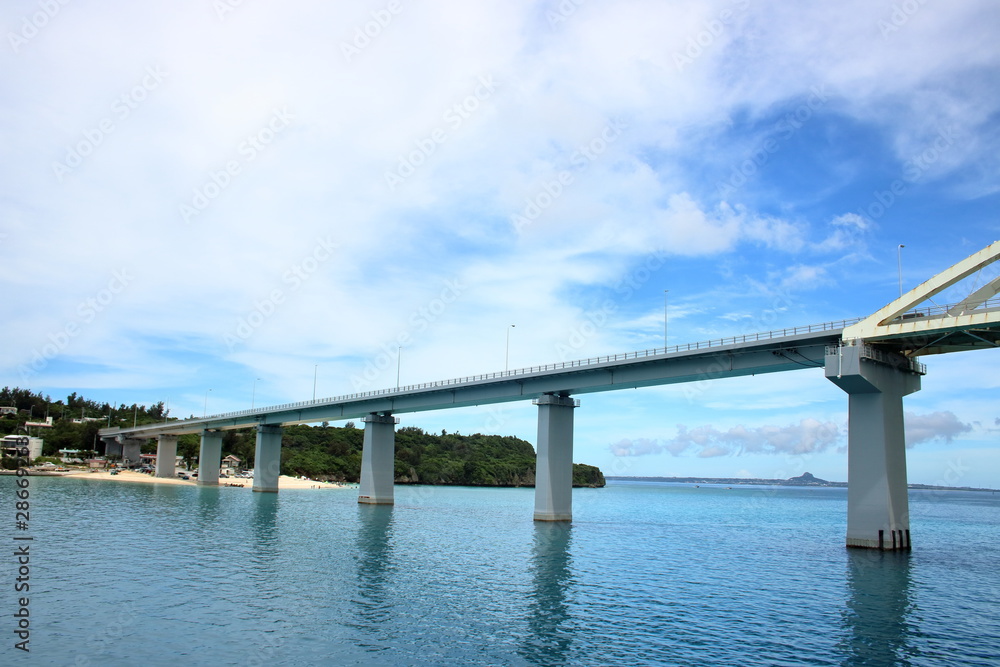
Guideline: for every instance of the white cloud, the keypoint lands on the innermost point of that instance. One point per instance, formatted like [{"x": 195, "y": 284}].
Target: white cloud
[
  {"x": 809, "y": 436},
  {"x": 941, "y": 425},
  {"x": 847, "y": 233}
]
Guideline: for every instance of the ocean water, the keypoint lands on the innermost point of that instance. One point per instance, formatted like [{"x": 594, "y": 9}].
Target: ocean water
[{"x": 647, "y": 574}]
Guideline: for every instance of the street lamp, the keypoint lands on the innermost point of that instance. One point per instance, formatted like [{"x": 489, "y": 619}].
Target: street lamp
[
  {"x": 205, "y": 411},
  {"x": 315, "y": 370},
  {"x": 399, "y": 359},
  {"x": 899, "y": 266},
  {"x": 506, "y": 356},
  {"x": 253, "y": 396},
  {"x": 665, "y": 320}
]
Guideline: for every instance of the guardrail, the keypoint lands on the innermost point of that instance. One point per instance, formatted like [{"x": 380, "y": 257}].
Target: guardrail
[
  {"x": 942, "y": 311},
  {"x": 579, "y": 363},
  {"x": 869, "y": 351}
]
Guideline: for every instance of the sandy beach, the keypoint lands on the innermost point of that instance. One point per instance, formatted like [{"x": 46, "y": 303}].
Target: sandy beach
[{"x": 284, "y": 481}]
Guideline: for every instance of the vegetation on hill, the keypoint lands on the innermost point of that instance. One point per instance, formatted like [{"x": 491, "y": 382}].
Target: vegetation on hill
[
  {"x": 319, "y": 452},
  {"x": 329, "y": 452},
  {"x": 75, "y": 421}
]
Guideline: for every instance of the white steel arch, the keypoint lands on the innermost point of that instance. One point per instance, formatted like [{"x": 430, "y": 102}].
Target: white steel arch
[{"x": 894, "y": 320}]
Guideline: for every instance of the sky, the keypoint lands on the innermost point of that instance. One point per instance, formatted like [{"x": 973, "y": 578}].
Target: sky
[{"x": 219, "y": 204}]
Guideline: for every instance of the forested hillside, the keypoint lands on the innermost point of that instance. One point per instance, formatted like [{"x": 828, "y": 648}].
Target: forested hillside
[
  {"x": 75, "y": 420},
  {"x": 328, "y": 452}
]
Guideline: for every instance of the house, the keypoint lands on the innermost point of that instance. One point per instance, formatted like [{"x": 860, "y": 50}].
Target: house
[
  {"x": 7, "y": 410},
  {"x": 70, "y": 455},
  {"x": 11, "y": 443},
  {"x": 230, "y": 465},
  {"x": 150, "y": 460}
]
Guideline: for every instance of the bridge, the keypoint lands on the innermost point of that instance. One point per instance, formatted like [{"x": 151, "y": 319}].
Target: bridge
[{"x": 873, "y": 359}]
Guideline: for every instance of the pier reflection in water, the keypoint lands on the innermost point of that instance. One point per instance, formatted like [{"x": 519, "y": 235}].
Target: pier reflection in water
[
  {"x": 373, "y": 601},
  {"x": 550, "y": 637},
  {"x": 876, "y": 618}
]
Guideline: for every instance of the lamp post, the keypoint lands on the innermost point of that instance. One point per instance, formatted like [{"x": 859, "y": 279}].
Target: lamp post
[
  {"x": 665, "y": 320},
  {"x": 253, "y": 396},
  {"x": 899, "y": 266},
  {"x": 399, "y": 360},
  {"x": 315, "y": 370},
  {"x": 205, "y": 410},
  {"x": 506, "y": 355}
]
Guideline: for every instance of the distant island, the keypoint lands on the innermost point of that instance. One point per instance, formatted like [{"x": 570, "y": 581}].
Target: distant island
[{"x": 805, "y": 479}]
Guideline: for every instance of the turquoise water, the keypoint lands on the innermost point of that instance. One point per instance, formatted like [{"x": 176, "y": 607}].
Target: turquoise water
[{"x": 648, "y": 573}]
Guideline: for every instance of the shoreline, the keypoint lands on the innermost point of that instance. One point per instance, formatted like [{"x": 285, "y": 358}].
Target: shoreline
[{"x": 128, "y": 476}]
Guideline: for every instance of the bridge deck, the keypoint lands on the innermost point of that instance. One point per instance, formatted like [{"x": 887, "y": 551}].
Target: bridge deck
[
  {"x": 923, "y": 331},
  {"x": 772, "y": 351}
]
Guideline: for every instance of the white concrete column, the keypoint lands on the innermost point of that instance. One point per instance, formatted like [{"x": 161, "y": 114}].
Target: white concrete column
[
  {"x": 131, "y": 450},
  {"x": 554, "y": 458},
  {"x": 210, "y": 458},
  {"x": 112, "y": 447},
  {"x": 166, "y": 455},
  {"x": 878, "y": 515},
  {"x": 267, "y": 458},
  {"x": 378, "y": 460}
]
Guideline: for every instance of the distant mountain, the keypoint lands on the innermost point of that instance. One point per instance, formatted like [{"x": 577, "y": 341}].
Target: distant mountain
[
  {"x": 808, "y": 478},
  {"x": 805, "y": 479}
]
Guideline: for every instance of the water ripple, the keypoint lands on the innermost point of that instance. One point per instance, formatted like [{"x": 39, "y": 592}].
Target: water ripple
[{"x": 646, "y": 574}]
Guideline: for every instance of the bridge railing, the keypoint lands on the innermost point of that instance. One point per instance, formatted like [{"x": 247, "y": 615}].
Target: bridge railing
[
  {"x": 942, "y": 311},
  {"x": 577, "y": 363},
  {"x": 869, "y": 351}
]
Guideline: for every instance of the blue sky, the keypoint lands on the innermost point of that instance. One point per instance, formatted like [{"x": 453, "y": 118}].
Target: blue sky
[{"x": 208, "y": 203}]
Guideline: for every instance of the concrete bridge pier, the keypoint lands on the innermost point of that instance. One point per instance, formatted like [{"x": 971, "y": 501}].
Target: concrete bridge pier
[
  {"x": 554, "y": 458},
  {"x": 112, "y": 446},
  {"x": 209, "y": 458},
  {"x": 378, "y": 460},
  {"x": 166, "y": 455},
  {"x": 131, "y": 451},
  {"x": 267, "y": 459},
  {"x": 878, "y": 515}
]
